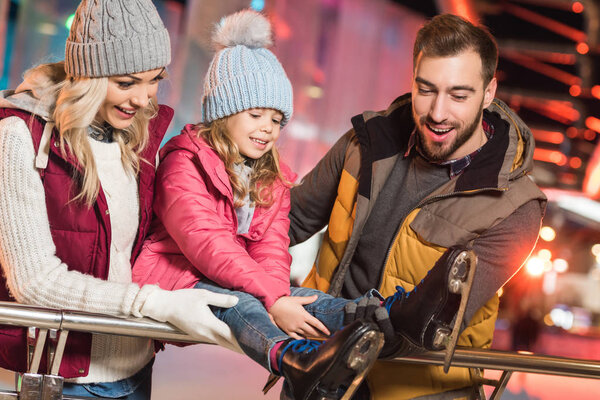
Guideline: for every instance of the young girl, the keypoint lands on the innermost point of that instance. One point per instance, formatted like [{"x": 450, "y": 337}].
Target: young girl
[
  {"x": 78, "y": 142},
  {"x": 221, "y": 204}
]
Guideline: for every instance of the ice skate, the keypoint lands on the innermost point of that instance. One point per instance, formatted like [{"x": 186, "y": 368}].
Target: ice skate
[
  {"x": 329, "y": 370},
  {"x": 424, "y": 316}
]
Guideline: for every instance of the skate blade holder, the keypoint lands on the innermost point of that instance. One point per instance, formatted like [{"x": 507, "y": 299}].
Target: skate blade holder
[
  {"x": 49, "y": 386},
  {"x": 460, "y": 282}
]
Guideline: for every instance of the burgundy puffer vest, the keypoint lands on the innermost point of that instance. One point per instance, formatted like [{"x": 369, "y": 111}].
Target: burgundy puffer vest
[{"x": 82, "y": 236}]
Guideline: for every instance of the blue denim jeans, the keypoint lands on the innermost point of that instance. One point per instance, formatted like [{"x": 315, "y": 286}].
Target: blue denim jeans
[
  {"x": 252, "y": 327},
  {"x": 136, "y": 387}
]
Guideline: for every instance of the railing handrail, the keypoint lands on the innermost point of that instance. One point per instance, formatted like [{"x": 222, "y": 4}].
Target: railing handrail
[
  {"x": 24, "y": 315},
  {"x": 16, "y": 314}
]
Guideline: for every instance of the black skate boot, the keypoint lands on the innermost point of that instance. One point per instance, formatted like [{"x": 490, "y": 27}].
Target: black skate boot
[
  {"x": 332, "y": 369},
  {"x": 423, "y": 316}
]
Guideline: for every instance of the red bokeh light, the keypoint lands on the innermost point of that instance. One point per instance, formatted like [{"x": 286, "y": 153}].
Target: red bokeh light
[
  {"x": 552, "y": 156},
  {"x": 577, "y": 7},
  {"x": 593, "y": 123},
  {"x": 575, "y": 90},
  {"x": 582, "y": 48},
  {"x": 589, "y": 135}
]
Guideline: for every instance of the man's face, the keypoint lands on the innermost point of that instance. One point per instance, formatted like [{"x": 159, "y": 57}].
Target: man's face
[{"x": 448, "y": 98}]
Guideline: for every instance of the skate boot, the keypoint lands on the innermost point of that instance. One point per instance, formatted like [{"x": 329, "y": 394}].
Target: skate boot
[
  {"x": 332, "y": 369},
  {"x": 423, "y": 317}
]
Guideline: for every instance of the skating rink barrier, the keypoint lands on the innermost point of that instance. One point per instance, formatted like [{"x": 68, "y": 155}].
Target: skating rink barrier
[{"x": 53, "y": 327}]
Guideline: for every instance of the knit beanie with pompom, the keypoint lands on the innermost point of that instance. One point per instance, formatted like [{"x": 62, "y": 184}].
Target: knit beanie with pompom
[{"x": 243, "y": 73}]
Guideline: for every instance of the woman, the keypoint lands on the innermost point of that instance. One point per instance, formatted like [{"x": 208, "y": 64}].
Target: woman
[{"x": 78, "y": 142}]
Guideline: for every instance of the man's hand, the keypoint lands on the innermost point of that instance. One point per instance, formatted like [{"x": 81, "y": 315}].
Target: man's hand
[
  {"x": 290, "y": 316},
  {"x": 370, "y": 309}
]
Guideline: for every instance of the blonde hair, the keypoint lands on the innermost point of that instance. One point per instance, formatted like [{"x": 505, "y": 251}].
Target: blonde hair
[
  {"x": 76, "y": 104},
  {"x": 265, "y": 170}
]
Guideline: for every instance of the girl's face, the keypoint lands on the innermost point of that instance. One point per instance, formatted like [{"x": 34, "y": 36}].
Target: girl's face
[
  {"x": 254, "y": 131},
  {"x": 126, "y": 95}
]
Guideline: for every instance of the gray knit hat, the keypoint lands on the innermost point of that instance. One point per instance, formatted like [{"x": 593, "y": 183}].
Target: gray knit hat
[
  {"x": 116, "y": 37},
  {"x": 244, "y": 74}
]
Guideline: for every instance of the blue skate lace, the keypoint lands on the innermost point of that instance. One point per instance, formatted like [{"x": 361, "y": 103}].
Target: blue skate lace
[
  {"x": 299, "y": 346},
  {"x": 401, "y": 293}
]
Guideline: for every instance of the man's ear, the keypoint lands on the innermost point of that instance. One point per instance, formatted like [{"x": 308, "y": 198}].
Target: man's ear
[{"x": 490, "y": 92}]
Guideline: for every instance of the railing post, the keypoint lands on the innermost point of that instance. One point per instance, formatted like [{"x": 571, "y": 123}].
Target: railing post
[{"x": 503, "y": 381}]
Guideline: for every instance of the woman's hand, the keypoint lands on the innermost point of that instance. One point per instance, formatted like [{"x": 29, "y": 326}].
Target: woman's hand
[{"x": 290, "y": 316}]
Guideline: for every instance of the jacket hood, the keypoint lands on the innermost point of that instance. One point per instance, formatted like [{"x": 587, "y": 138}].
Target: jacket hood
[
  {"x": 27, "y": 101},
  {"x": 519, "y": 155}
]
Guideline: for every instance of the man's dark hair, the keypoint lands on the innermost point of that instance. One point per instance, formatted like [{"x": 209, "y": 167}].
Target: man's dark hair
[{"x": 447, "y": 35}]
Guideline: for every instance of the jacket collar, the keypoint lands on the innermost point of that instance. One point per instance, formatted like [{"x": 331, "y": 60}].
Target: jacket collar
[
  {"x": 385, "y": 135},
  {"x": 205, "y": 156}
]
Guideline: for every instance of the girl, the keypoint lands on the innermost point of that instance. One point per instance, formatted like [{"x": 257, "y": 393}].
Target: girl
[
  {"x": 78, "y": 142},
  {"x": 222, "y": 203}
]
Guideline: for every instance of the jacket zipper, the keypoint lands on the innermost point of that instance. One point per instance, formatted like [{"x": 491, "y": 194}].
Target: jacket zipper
[{"x": 421, "y": 204}]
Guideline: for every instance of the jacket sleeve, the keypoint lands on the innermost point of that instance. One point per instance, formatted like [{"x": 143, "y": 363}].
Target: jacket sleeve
[
  {"x": 185, "y": 205},
  {"x": 271, "y": 251},
  {"x": 313, "y": 199},
  {"x": 501, "y": 251}
]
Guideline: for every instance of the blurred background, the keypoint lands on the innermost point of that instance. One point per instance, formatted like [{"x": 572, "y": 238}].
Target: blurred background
[{"x": 345, "y": 56}]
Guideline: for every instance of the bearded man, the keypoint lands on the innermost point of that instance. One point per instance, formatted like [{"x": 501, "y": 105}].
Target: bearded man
[{"x": 445, "y": 165}]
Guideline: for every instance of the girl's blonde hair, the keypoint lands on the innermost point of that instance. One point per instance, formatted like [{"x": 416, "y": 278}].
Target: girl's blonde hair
[
  {"x": 265, "y": 170},
  {"x": 75, "y": 106}
]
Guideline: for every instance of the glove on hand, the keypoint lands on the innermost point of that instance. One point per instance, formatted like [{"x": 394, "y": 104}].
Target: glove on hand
[
  {"x": 371, "y": 310},
  {"x": 188, "y": 310},
  {"x": 364, "y": 310}
]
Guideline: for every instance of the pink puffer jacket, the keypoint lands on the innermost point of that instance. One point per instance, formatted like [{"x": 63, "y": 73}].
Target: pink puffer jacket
[{"x": 194, "y": 233}]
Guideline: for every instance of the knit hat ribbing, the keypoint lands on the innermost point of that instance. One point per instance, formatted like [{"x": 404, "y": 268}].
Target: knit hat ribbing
[
  {"x": 244, "y": 74},
  {"x": 116, "y": 37}
]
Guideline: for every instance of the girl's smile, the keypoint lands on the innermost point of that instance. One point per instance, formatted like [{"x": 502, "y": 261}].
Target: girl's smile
[{"x": 254, "y": 131}]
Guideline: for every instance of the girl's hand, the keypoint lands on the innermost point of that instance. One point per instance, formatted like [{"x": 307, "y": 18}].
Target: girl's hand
[{"x": 290, "y": 316}]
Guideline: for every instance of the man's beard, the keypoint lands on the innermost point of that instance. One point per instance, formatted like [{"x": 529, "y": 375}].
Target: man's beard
[{"x": 440, "y": 151}]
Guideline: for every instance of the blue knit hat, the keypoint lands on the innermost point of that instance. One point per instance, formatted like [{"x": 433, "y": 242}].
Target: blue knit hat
[{"x": 244, "y": 74}]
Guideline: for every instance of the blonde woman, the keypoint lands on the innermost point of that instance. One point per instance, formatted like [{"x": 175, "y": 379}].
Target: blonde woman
[{"x": 78, "y": 143}]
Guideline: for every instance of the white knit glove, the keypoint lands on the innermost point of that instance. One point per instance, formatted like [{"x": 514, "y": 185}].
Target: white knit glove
[{"x": 188, "y": 310}]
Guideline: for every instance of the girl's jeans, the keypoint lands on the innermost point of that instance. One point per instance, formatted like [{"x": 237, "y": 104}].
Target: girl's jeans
[{"x": 252, "y": 327}]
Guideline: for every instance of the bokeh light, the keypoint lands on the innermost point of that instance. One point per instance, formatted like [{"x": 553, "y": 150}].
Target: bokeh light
[
  {"x": 562, "y": 318},
  {"x": 582, "y": 48},
  {"x": 577, "y": 7},
  {"x": 257, "y": 5},
  {"x": 560, "y": 265},
  {"x": 545, "y": 254},
  {"x": 69, "y": 21},
  {"x": 535, "y": 266},
  {"x": 547, "y": 233},
  {"x": 575, "y": 90}
]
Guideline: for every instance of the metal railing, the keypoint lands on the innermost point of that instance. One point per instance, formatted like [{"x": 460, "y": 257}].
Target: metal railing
[{"x": 64, "y": 321}]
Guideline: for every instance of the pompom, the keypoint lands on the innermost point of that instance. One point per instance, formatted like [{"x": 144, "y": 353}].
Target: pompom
[{"x": 245, "y": 27}]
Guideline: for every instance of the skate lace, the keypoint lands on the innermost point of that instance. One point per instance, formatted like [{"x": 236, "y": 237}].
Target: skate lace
[
  {"x": 305, "y": 346},
  {"x": 400, "y": 294}
]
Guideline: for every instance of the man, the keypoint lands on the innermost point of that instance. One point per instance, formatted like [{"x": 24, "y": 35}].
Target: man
[{"x": 444, "y": 165}]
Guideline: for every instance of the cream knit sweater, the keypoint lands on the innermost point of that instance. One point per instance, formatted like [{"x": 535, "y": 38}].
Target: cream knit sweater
[{"x": 36, "y": 276}]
